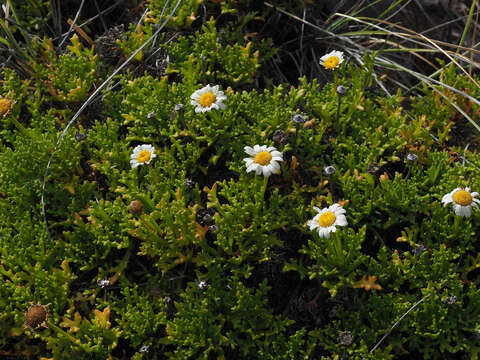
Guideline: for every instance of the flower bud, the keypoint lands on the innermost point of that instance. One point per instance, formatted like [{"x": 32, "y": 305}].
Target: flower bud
[{"x": 341, "y": 90}]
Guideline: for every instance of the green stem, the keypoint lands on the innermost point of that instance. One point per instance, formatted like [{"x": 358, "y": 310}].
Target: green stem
[
  {"x": 260, "y": 198},
  {"x": 456, "y": 223},
  {"x": 60, "y": 331},
  {"x": 22, "y": 129},
  {"x": 264, "y": 186},
  {"x": 217, "y": 118},
  {"x": 297, "y": 129},
  {"x": 338, "y": 249},
  {"x": 467, "y": 26}
]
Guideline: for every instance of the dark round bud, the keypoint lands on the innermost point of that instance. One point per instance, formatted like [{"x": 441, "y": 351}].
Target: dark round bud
[
  {"x": 80, "y": 136},
  {"x": 103, "y": 283},
  {"x": 36, "y": 316},
  {"x": 279, "y": 137},
  {"x": 345, "y": 338},
  {"x": 419, "y": 250},
  {"x": 144, "y": 349},
  {"x": 207, "y": 217},
  {"x": 202, "y": 285},
  {"x": 341, "y": 90},
  {"x": 298, "y": 119},
  {"x": 412, "y": 157},
  {"x": 450, "y": 300},
  {"x": 136, "y": 207},
  {"x": 329, "y": 170},
  {"x": 373, "y": 168},
  {"x": 189, "y": 183}
]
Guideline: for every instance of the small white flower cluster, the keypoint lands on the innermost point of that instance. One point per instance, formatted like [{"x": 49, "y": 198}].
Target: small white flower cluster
[
  {"x": 265, "y": 160},
  {"x": 205, "y": 99},
  {"x": 104, "y": 283}
]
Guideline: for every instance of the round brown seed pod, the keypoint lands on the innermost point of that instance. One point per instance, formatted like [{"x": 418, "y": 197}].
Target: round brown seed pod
[
  {"x": 36, "y": 316},
  {"x": 136, "y": 207},
  {"x": 6, "y": 106}
]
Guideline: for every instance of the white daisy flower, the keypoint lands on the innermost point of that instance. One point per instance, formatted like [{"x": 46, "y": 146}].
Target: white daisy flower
[
  {"x": 462, "y": 200},
  {"x": 142, "y": 154},
  {"x": 264, "y": 160},
  {"x": 332, "y": 60},
  {"x": 327, "y": 220},
  {"x": 208, "y": 98}
]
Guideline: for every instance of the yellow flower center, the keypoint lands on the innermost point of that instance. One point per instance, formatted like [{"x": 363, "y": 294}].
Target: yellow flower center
[
  {"x": 332, "y": 62},
  {"x": 263, "y": 158},
  {"x": 462, "y": 197},
  {"x": 207, "y": 99},
  {"x": 144, "y": 156},
  {"x": 327, "y": 219},
  {"x": 5, "y": 106}
]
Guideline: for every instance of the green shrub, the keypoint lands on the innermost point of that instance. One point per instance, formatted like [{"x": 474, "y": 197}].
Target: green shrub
[{"x": 190, "y": 256}]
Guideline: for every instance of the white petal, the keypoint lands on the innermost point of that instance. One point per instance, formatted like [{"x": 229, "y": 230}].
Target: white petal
[
  {"x": 321, "y": 232},
  {"x": 341, "y": 221},
  {"x": 256, "y": 148},
  {"x": 323, "y": 211},
  {"x": 249, "y": 150},
  {"x": 312, "y": 224},
  {"x": 339, "y": 211},
  {"x": 462, "y": 210},
  {"x": 252, "y": 167},
  {"x": 447, "y": 199},
  {"x": 259, "y": 169},
  {"x": 248, "y": 161},
  {"x": 326, "y": 233},
  {"x": 274, "y": 166},
  {"x": 266, "y": 171}
]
